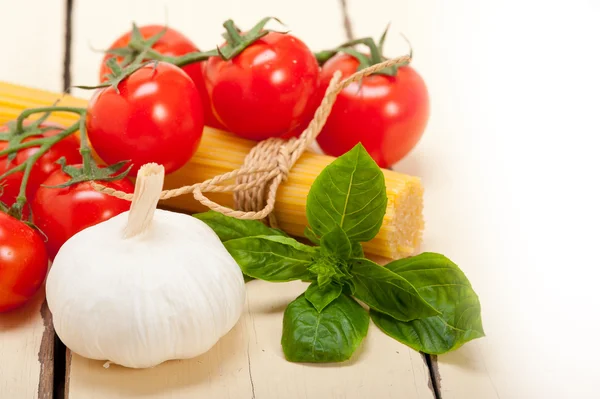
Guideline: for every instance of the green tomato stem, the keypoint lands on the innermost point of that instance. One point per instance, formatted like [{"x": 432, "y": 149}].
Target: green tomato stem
[
  {"x": 190, "y": 58},
  {"x": 234, "y": 36},
  {"x": 376, "y": 56},
  {"x": 28, "y": 112},
  {"x": 22, "y": 197},
  {"x": 84, "y": 147},
  {"x": 22, "y": 146},
  {"x": 27, "y": 166},
  {"x": 325, "y": 55},
  {"x": 16, "y": 169},
  {"x": 155, "y": 55}
]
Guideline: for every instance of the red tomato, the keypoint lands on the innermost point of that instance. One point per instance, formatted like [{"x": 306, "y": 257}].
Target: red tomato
[
  {"x": 68, "y": 148},
  {"x": 171, "y": 44},
  {"x": 387, "y": 114},
  {"x": 155, "y": 117},
  {"x": 62, "y": 212},
  {"x": 23, "y": 262},
  {"x": 267, "y": 90}
]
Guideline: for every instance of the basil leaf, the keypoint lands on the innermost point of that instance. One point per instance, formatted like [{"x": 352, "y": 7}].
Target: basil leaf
[
  {"x": 320, "y": 297},
  {"x": 435, "y": 335},
  {"x": 308, "y": 233},
  {"x": 387, "y": 292},
  {"x": 329, "y": 336},
  {"x": 327, "y": 269},
  {"x": 336, "y": 243},
  {"x": 441, "y": 283},
  {"x": 230, "y": 228},
  {"x": 357, "y": 250},
  {"x": 272, "y": 258},
  {"x": 350, "y": 193}
]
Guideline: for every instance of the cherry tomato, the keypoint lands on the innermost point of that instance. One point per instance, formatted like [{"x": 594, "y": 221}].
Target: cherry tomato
[
  {"x": 387, "y": 114},
  {"x": 62, "y": 212},
  {"x": 267, "y": 90},
  {"x": 23, "y": 262},
  {"x": 68, "y": 148},
  {"x": 155, "y": 117},
  {"x": 171, "y": 44}
]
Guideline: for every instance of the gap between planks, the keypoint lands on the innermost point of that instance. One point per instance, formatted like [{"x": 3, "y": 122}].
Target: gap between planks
[
  {"x": 46, "y": 355},
  {"x": 68, "y": 40},
  {"x": 347, "y": 20},
  {"x": 61, "y": 363},
  {"x": 434, "y": 375}
]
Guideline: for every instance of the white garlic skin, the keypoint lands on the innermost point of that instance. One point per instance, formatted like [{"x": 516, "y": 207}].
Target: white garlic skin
[{"x": 169, "y": 293}]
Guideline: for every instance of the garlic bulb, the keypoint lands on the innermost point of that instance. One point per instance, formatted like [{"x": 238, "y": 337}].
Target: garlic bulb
[{"x": 146, "y": 286}]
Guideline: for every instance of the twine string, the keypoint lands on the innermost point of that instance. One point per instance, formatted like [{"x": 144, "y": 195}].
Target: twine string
[{"x": 268, "y": 164}]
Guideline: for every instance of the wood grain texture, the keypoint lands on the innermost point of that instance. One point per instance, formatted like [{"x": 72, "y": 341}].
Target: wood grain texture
[
  {"x": 46, "y": 355},
  {"x": 33, "y": 43},
  {"x": 26, "y": 351},
  {"x": 248, "y": 363},
  {"x": 68, "y": 361},
  {"x": 435, "y": 30},
  {"x": 497, "y": 166},
  {"x": 33, "y": 48}
]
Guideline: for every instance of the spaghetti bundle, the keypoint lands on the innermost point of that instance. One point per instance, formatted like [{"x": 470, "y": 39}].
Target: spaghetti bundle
[{"x": 221, "y": 152}]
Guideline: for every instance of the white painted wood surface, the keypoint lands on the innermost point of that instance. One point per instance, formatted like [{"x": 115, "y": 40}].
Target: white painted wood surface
[
  {"x": 32, "y": 35},
  {"x": 26, "y": 343},
  {"x": 249, "y": 363},
  {"x": 509, "y": 164}
]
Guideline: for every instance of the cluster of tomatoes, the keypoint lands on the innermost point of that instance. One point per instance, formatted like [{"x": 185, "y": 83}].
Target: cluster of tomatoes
[
  {"x": 58, "y": 214},
  {"x": 267, "y": 84}
]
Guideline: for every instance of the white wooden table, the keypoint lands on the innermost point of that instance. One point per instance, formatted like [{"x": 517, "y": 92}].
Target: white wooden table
[{"x": 509, "y": 162}]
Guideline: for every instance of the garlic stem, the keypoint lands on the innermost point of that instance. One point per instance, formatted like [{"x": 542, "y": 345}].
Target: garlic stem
[{"x": 148, "y": 187}]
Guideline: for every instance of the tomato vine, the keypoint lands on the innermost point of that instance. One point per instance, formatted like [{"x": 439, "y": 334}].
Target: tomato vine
[
  {"x": 137, "y": 53},
  {"x": 19, "y": 132},
  {"x": 375, "y": 55}
]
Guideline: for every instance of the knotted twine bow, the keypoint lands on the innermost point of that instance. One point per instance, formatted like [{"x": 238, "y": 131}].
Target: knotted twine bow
[{"x": 268, "y": 164}]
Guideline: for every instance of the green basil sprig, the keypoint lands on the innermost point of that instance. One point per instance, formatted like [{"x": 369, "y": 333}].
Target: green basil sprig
[
  {"x": 329, "y": 335},
  {"x": 445, "y": 287},
  {"x": 424, "y": 301},
  {"x": 349, "y": 193},
  {"x": 388, "y": 292},
  {"x": 228, "y": 228},
  {"x": 272, "y": 258}
]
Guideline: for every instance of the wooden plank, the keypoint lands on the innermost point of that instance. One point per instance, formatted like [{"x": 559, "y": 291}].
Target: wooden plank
[
  {"x": 27, "y": 351},
  {"x": 198, "y": 21},
  {"x": 452, "y": 179},
  {"x": 33, "y": 49},
  {"x": 531, "y": 259},
  {"x": 33, "y": 44},
  {"x": 497, "y": 171},
  {"x": 249, "y": 363},
  {"x": 435, "y": 30}
]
